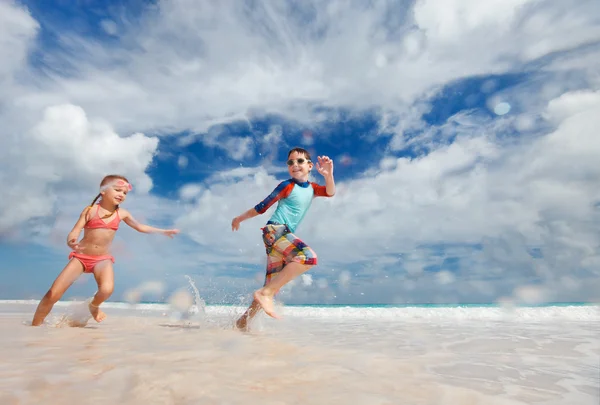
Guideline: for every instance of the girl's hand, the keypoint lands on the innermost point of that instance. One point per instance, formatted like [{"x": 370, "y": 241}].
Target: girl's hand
[
  {"x": 170, "y": 232},
  {"x": 74, "y": 245},
  {"x": 235, "y": 224},
  {"x": 325, "y": 166}
]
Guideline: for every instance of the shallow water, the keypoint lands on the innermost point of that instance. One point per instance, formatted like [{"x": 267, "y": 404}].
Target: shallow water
[{"x": 438, "y": 356}]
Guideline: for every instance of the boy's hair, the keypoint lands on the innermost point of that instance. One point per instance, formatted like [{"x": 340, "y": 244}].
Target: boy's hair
[
  {"x": 107, "y": 180},
  {"x": 300, "y": 150}
]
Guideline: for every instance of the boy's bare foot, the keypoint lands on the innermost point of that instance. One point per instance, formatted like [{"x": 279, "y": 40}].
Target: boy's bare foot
[
  {"x": 97, "y": 314},
  {"x": 242, "y": 323},
  {"x": 266, "y": 302}
]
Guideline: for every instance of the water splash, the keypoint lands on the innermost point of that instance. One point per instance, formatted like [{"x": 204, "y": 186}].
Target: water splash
[
  {"x": 77, "y": 315},
  {"x": 199, "y": 306},
  {"x": 187, "y": 305}
]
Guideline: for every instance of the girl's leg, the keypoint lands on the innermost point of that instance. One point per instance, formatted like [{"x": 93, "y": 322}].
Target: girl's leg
[
  {"x": 64, "y": 280},
  {"x": 105, "y": 278}
]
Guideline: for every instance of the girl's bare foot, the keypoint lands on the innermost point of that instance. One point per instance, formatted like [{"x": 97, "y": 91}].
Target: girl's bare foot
[
  {"x": 266, "y": 302},
  {"x": 97, "y": 314}
]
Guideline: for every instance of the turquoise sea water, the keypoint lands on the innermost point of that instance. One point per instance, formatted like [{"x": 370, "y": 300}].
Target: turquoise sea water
[{"x": 482, "y": 305}]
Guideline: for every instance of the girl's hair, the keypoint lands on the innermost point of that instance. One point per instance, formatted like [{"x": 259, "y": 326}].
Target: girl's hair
[
  {"x": 300, "y": 150},
  {"x": 107, "y": 180}
]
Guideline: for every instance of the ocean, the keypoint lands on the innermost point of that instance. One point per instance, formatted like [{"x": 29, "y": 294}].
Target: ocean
[{"x": 177, "y": 353}]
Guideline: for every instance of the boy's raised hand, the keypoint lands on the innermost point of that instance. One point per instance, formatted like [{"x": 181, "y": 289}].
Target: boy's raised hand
[{"x": 325, "y": 166}]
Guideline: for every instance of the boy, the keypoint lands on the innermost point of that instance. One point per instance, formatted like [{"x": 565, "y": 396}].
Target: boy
[{"x": 287, "y": 256}]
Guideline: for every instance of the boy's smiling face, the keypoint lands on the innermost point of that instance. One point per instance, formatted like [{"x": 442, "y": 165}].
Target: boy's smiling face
[{"x": 300, "y": 166}]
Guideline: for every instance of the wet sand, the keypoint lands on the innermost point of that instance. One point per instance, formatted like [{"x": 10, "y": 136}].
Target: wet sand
[{"x": 134, "y": 358}]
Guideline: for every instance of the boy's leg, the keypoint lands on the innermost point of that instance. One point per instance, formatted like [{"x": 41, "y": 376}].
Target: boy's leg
[
  {"x": 64, "y": 280},
  {"x": 105, "y": 278},
  {"x": 275, "y": 263},
  {"x": 265, "y": 295},
  {"x": 299, "y": 258},
  {"x": 242, "y": 322}
]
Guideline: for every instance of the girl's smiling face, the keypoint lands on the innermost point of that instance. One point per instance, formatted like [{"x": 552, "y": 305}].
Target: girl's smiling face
[{"x": 116, "y": 192}]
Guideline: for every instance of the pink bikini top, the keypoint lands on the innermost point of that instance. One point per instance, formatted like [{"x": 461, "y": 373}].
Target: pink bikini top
[{"x": 96, "y": 222}]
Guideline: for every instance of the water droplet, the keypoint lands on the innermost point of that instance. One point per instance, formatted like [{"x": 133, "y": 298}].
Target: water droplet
[{"x": 502, "y": 108}]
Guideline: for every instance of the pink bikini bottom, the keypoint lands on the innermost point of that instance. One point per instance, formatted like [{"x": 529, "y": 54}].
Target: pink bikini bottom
[{"x": 89, "y": 262}]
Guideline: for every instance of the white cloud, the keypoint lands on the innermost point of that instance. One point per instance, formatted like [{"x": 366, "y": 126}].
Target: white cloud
[
  {"x": 208, "y": 218},
  {"x": 450, "y": 21},
  {"x": 307, "y": 279},
  {"x": 182, "y": 162},
  {"x": 45, "y": 152},
  {"x": 190, "y": 66},
  {"x": 17, "y": 30},
  {"x": 66, "y": 145},
  {"x": 180, "y": 69},
  {"x": 572, "y": 103},
  {"x": 66, "y": 150},
  {"x": 482, "y": 190},
  {"x": 109, "y": 26},
  {"x": 190, "y": 191}
]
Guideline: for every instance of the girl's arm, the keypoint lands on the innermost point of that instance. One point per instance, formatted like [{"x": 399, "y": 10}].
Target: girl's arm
[
  {"x": 76, "y": 231},
  {"x": 130, "y": 220}
]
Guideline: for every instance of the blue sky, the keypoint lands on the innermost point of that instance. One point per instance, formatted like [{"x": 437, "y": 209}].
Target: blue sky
[{"x": 462, "y": 137}]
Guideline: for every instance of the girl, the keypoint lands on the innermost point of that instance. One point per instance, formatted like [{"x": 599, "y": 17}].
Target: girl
[{"x": 91, "y": 254}]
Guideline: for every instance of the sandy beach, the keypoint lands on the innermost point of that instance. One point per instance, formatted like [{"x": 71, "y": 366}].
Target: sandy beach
[{"x": 314, "y": 355}]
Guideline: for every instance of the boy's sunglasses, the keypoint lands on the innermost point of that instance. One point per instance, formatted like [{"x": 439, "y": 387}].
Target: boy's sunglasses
[{"x": 300, "y": 161}]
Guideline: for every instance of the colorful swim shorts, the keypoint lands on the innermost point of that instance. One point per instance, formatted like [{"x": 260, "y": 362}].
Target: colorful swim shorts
[
  {"x": 89, "y": 261},
  {"x": 284, "y": 247}
]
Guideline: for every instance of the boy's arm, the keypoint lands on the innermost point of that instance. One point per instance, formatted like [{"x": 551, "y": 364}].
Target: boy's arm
[
  {"x": 330, "y": 185},
  {"x": 328, "y": 190},
  {"x": 325, "y": 167},
  {"x": 251, "y": 213},
  {"x": 131, "y": 221},
  {"x": 281, "y": 191}
]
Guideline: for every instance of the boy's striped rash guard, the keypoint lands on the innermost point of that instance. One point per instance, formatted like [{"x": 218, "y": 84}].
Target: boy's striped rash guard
[{"x": 294, "y": 199}]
